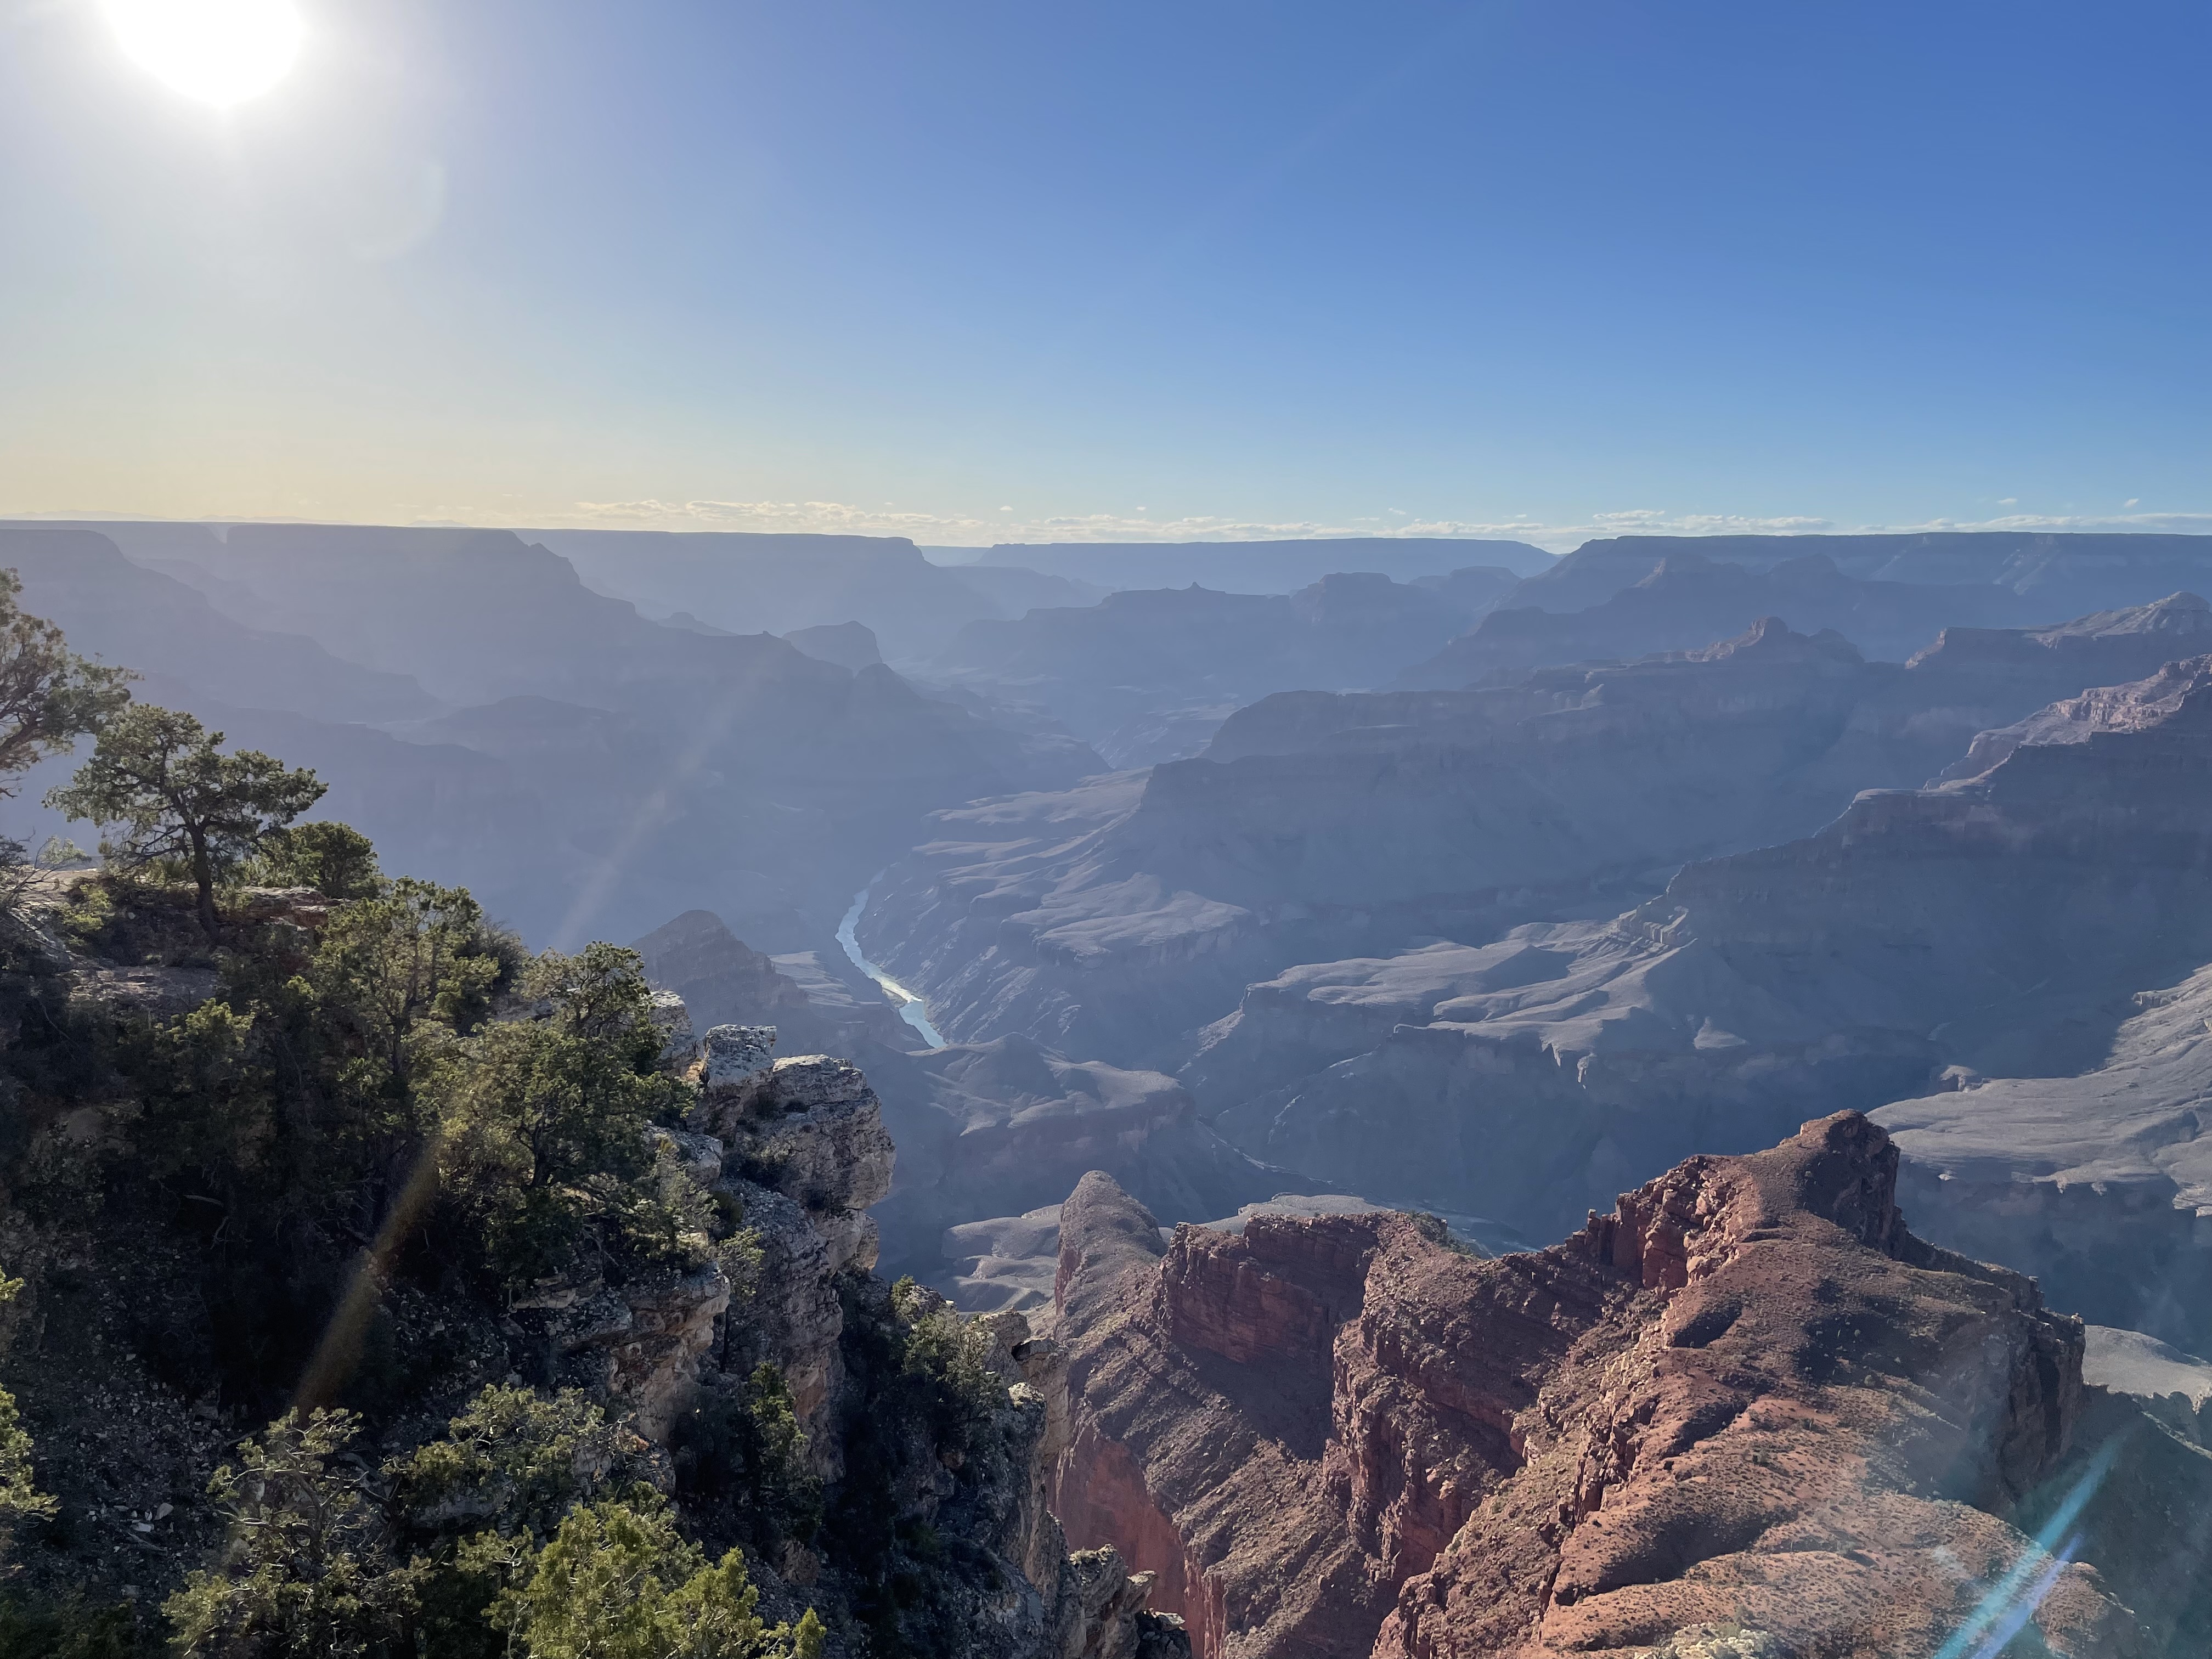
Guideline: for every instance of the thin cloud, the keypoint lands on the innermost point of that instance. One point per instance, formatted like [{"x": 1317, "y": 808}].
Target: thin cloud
[
  {"x": 2175, "y": 524},
  {"x": 977, "y": 529},
  {"x": 956, "y": 529}
]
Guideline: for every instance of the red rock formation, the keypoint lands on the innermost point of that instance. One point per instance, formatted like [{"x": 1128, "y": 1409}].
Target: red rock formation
[{"x": 1748, "y": 1398}]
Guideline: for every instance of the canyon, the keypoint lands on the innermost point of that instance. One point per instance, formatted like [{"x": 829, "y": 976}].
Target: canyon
[
  {"x": 1123, "y": 917},
  {"x": 1689, "y": 599},
  {"x": 1889, "y": 954},
  {"x": 985, "y": 1129},
  {"x": 490, "y": 721},
  {"x": 1433, "y": 907},
  {"x": 1145, "y": 675}
]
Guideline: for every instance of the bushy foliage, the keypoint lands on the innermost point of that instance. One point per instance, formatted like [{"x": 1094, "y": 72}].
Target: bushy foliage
[
  {"x": 406, "y": 968},
  {"x": 303, "y": 1574},
  {"x": 541, "y": 1128},
  {"x": 927, "y": 1392},
  {"x": 535, "y": 1538},
  {"x": 49, "y": 696},
  {"x": 740, "y": 1461},
  {"x": 70, "y": 1628},
  {"x": 946, "y": 1379},
  {"x": 480, "y": 1500},
  {"x": 516, "y": 1460},
  {"x": 617, "y": 1581},
  {"x": 19, "y": 1497},
  {"x": 334, "y": 858},
  {"x": 403, "y": 1106}
]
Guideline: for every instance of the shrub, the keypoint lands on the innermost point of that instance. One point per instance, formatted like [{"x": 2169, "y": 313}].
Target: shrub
[
  {"x": 334, "y": 858},
  {"x": 740, "y": 1460},
  {"x": 303, "y": 1577},
  {"x": 516, "y": 1461},
  {"x": 618, "y": 1582}
]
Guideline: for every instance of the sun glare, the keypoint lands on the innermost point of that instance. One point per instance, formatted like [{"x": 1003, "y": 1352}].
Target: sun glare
[{"x": 221, "y": 52}]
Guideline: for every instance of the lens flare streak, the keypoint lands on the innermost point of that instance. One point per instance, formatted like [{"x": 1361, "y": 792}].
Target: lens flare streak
[{"x": 2011, "y": 1602}]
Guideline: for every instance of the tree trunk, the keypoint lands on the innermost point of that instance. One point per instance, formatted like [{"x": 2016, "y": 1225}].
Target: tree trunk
[{"x": 203, "y": 877}]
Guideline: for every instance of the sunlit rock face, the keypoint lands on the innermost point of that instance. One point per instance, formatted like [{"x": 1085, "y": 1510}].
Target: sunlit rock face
[{"x": 1747, "y": 1399}]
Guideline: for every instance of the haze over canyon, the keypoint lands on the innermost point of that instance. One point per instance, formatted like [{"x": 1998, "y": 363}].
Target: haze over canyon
[{"x": 1212, "y": 1004}]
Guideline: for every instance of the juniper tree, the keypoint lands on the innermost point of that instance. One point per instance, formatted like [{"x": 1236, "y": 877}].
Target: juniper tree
[
  {"x": 49, "y": 696},
  {"x": 162, "y": 778}
]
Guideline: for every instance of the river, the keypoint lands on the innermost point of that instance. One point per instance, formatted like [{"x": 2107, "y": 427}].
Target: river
[{"x": 909, "y": 1006}]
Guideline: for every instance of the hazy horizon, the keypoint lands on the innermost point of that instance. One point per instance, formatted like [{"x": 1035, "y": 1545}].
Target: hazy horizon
[{"x": 991, "y": 275}]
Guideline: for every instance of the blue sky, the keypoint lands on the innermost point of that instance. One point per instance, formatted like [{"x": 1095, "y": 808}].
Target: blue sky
[{"x": 974, "y": 271}]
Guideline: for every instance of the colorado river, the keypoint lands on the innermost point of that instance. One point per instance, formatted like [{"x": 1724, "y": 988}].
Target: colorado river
[{"x": 909, "y": 1006}]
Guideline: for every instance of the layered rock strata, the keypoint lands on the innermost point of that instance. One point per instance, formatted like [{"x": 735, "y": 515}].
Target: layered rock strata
[
  {"x": 2060, "y": 574},
  {"x": 1989, "y": 927},
  {"x": 1143, "y": 655},
  {"x": 1118, "y": 918},
  {"x": 1748, "y": 1402}
]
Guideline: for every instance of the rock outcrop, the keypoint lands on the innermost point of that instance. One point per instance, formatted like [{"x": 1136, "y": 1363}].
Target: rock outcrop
[
  {"x": 638, "y": 1345},
  {"x": 1748, "y": 1406},
  {"x": 798, "y": 1146},
  {"x": 1012, "y": 1262}
]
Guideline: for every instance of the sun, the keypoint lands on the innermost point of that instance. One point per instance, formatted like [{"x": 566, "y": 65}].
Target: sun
[{"x": 221, "y": 52}]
